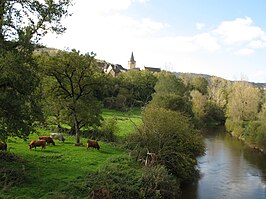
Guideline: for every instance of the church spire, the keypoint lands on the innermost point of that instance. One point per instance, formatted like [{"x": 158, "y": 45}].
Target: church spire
[
  {"x": 132, "y": 62},
  {"x": 132, "y": 57}
]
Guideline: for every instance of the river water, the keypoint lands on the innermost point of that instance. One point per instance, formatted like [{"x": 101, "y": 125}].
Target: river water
[{"x": 229, "y": 170}]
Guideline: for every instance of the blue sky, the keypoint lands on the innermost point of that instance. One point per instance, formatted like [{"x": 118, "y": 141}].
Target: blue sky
[{"x": 225, "y": 38}]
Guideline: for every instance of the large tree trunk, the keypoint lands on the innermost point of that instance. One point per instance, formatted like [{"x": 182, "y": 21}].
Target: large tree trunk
[{"x": 76, "y": 128}]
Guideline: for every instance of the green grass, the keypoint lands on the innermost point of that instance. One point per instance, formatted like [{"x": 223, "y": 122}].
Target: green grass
[
  {"x": 57, "y": 168},
  {"x": 127, "y": 121}
]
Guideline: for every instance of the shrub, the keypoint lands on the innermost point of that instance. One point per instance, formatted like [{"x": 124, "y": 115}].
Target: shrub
[
  {"x": 107, "y": 130},
  {"x": 122, "y": 178},
  {"x": 261, "y": 137},
  {"x": 251, "y": 131},
  {"x": 235, "y": 127},
  {"x": 156, "y": 182},
  {"x": 118, "y": 175},
  {"x": 171, "y": 137}
]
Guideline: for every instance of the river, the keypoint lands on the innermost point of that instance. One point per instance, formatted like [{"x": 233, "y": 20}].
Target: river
[{"x": 229, "y": 170}]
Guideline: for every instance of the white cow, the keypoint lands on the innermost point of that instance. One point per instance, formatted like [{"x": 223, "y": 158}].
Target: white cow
[{"x": 58, "y": 136}]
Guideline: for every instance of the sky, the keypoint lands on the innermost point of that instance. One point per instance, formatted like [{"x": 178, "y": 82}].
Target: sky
[{"x": 224, "y": 38}]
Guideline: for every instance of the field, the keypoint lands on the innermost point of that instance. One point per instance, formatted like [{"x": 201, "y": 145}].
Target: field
[{"x": 57, "y": 169}]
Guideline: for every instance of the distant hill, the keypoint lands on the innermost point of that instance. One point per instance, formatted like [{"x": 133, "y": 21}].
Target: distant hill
[{"x": 208, "y": 77}]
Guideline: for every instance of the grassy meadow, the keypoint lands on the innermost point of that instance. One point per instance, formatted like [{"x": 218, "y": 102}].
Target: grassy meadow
[{"x": 56, "y": 170}]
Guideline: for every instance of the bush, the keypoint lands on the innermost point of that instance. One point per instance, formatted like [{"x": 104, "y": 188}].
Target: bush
[
  {"x": 171, "y": 137},
  {"x": 122, "y": 178},
  {"x": 251, "y": 131},
  {"x": 261, "y": 137},
  {"x": 156, "y": 182},
  {"x": 235, "y": 127},
  {"x": 118, "y": 175},
  {"x": 107, "y": 130},
  {"x": 10, "y": 177}
]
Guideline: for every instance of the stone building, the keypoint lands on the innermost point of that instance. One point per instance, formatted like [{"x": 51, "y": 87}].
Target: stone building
[{"x": 132, "y": 62}]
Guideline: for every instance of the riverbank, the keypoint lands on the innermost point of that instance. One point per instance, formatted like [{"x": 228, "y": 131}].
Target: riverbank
[
  {"x": 229, "y": 169},
  {"x": 243, "y": 140}
]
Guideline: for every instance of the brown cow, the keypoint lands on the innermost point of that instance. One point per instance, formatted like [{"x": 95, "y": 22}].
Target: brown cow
[
  {"x": 47, "y": 139},
  {"x": 35, "y": 143},
  {"x": 3, "y": 146},
  {"x": 93, "y": 144}
]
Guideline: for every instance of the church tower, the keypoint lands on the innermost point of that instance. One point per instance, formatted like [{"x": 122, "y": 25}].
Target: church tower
[{"x": 132, "y": 62}]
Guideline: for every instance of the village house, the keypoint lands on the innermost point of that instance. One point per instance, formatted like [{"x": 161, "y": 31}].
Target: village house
[{"x": 115, "y": 69}]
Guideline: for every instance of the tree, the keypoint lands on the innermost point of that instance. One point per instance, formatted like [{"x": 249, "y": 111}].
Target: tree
[
  {"x": 22, "y": 24},
  {"x": 218, "y": 91},
  {"x": 139, "y": 84},
  {"x": 171, "y": 93},
  {"x": 72, "y": 80},
  {"x": 199, "y": 102},
  {"x": 200, "y": 84},
  {"x": 169, "y": 83},
  {"x": 243, "y": 102}
]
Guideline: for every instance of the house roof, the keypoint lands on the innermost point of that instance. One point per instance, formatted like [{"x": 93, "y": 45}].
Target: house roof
[{"x": 152, "y": 69}]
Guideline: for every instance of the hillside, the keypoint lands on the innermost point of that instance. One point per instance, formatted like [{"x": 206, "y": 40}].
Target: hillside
[{"x": 208, "y": 77}]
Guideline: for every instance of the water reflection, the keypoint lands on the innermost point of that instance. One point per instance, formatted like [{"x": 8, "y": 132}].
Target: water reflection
[{"x": 229, "y": 169}]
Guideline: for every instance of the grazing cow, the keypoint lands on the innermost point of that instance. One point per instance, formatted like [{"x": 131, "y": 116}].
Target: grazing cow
[
  {"x": 3, "y": 146},
  {"x": 58, "y": 136},
  {"x": 35, "y": 143},
  {"x": 93, "y": 144},
  {"x": 47, "y": 139}
]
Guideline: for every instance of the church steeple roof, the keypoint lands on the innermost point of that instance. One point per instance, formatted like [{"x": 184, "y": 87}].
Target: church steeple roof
[{"x": 132, "y": 57}]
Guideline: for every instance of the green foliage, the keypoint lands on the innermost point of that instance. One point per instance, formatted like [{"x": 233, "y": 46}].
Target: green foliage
[
  {"x": 131, "y": 89},
  {"x": 199, "y": 102},
  {"x": 171, "y": 137},
  {"x": 156, "y": 182},
  {"x": 71, "y": 83},
  {"x": 200, "y": 84},
  {"x": 169, "y": 83},
  {"x": 19, "y": 82},
  {"x": 235, "y": 127},
  {"x": 119, "y": 175},
  {"x": 41, "y": 17},
  {"x": 243, "y": 102},
  {"x": 255, "y": 134},
  {"x": 218, "y": 91},
  {"x": 19, "y": 101},
  {"x": 261, "y": 137},
  {"x": 171, "y": 94},
  {"x": 124, "y": 179},
  {"x": 172, "y": 102},
  {"x": 214, "y": 115},
  {"x": 251, "y": 132},
  {"x": 105, "y": 132}
]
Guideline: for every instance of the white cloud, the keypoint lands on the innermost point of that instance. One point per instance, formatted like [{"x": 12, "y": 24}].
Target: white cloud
[
  {"x": 238, "y": 30},
  {"x": 256, "y": 44},
  {"x": 103, "y": 27},
  {"x": 200, "y": 26},
  {"x": 244, "y": 51},
  {"x": 143, "y": 1},
  {"x": 206, "y": 41},
  {"x": 99, "y": 7}
]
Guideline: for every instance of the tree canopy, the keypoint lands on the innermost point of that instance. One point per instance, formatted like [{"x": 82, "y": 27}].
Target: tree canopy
[
  {"x": 70, "y": 81},
  {"x": 22, "y": 24}
]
